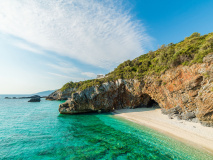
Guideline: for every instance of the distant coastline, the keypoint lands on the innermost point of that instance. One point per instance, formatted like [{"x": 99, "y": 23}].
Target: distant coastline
[{"x": 18, "y": 96}]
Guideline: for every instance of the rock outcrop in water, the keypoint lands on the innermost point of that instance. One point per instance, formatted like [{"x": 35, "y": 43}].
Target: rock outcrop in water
[
  {"x": 35, "y": 98},
  {"x": 107, "y": 97},
  {"x": 184, "y": 91}
]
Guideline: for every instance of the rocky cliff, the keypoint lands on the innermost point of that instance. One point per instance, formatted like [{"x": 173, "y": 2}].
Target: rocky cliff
[
  {"x": 183, "y": 91},
  {"x": 59, "y": 95}
]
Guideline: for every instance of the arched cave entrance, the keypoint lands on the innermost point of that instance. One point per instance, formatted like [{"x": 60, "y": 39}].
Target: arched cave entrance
[
  {"x": 147, "y": 102},
  {"x": 153, "y": 103}
]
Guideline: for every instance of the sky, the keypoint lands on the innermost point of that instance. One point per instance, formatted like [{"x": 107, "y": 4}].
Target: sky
[{"x": 45, "y": 44}]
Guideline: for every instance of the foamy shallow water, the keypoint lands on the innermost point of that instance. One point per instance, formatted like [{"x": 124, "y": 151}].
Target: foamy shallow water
[{"x": 38, "y": 131}]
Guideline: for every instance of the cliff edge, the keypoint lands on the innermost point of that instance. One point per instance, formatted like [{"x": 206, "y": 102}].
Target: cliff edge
[
  {"x": 182, "y": 91},
  {"x": 185, "y": 92}
]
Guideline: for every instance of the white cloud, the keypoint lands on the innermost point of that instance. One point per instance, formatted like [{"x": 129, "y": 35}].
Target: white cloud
[
  {"x": 63, "y": 69},
  {"x": 28, "y": 48},
  {"x": 95, "y": 32},
  {"x": 65, "y": 76},
  {"x": 89, "y": 74}
]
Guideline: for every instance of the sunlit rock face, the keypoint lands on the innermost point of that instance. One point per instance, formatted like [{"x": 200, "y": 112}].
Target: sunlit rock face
[
  {"x": 189, "y": 88},
  {"x": 107, "y": 97},
  {"x": 59, "y": 95},
  {"x": 185, "y": 92}
]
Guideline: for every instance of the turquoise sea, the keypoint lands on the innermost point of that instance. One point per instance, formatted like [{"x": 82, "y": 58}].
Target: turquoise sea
[{"x": 37, "y": 131}]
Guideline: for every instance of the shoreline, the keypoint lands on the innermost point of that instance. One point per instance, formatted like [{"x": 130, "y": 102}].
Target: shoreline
[{"x": 187, "y": 132}]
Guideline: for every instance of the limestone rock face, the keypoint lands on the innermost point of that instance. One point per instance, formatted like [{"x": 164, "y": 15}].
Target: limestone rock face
[
  {"x": 190, "y": 88},
  {"x": 107, "y": 97},
  {"x": 184, "y": 91},
  {"x": 208, "y": 58},
  {"x": 59, "y": 95}
]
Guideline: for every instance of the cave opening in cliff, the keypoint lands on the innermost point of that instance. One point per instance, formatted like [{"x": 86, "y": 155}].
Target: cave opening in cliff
[
  {"x": 153, "y": 103},
  {"x": 148, "y": 101}
]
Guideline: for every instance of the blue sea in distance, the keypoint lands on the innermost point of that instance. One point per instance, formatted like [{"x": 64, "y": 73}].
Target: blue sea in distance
[{"x": 37, "y": 131}]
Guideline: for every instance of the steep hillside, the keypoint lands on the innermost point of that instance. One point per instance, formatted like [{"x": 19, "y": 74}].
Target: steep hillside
[
  {"x": 187, "y": 52},
  {"x": 177, "y": 77}
]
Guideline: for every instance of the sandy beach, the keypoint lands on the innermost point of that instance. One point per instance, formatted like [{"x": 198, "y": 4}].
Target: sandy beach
[{"x": 188, "y": 132}]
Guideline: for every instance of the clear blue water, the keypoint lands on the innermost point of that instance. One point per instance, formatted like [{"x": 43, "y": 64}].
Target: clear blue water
[{"x": 37, "y": 131}]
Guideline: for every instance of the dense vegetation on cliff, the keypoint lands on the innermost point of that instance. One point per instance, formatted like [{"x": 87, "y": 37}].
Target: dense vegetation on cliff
[{"x": 187, "y": 52}]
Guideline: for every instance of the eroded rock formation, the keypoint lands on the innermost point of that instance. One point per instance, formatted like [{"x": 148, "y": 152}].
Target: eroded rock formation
[
  {"x": 58, "y": 95},
  {"x": 107, "y": 97},
  {"x": 185, "y": 92}
]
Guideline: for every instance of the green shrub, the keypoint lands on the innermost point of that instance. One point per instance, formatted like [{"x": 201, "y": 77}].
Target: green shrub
[{"x": 187, "y": 52}]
